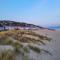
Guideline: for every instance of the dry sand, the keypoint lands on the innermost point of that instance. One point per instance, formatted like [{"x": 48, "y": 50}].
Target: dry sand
[{"x": 53, "y": 46}]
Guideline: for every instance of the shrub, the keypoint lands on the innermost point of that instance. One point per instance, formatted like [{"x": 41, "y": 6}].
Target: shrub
[
  {"x": 17, "y": 46},
  {"x": 26, "y": 49},
  {"x": 8, "y": 42},
  {"x": 34, "y": 48},
  {"x": 8, "y": 55}
]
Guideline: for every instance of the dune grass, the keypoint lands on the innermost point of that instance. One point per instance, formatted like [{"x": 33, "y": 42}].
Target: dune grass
[
  {"x": 7, "y": 55},
  {"x": 23, "y": 36},
  {"x": 17, "y": 46},
  {"x": 34, "y": 48}
]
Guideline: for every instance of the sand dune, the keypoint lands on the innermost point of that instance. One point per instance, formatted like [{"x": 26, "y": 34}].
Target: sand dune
[{"x": 53, "y": 46}]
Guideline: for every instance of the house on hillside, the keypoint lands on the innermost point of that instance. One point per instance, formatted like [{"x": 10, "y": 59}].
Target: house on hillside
[{"x": 14, "y": 27}]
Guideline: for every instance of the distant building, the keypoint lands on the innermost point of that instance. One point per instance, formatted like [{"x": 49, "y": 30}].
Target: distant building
[{"x": 14, "y": 27}]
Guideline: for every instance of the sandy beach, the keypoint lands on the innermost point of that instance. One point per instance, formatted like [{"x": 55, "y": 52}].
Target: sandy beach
[{"x": 53, "y": 46}]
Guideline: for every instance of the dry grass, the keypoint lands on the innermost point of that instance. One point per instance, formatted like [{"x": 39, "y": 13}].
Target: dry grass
[
  {"x": 8, "y": 55},
  {"x": 23, "y": 36},
  {"x": 34, "y": 48}
]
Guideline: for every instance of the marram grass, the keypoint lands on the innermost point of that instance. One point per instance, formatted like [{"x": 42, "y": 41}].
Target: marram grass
[
  {"x": 22, "y": 37},
  {"x": 7, "y": 55}
]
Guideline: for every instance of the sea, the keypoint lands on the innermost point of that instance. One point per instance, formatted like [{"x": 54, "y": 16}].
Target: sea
[{"x": 55, "y": 28}]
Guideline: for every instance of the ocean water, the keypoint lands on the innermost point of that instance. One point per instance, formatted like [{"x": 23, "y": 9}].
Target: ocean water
[{"x": 56, "y": 28}]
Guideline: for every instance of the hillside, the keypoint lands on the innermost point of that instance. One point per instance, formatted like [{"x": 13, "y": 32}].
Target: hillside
[{"x": 21, "y": 24}]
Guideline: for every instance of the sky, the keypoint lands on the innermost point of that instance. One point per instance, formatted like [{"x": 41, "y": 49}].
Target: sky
[{"x": 39, "y": 12}]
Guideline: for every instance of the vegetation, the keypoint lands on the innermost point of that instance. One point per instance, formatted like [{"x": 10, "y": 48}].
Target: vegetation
[
  {"x": 13, "y": 23},
  {"x": 26, "y": 49},
  {"x": 25, "y": 58},
  {"x": 18, "y": 38},
  {"x": 8, "y": 42},
  {"x": 34, "y": 48},
  {"x": 8, "y": 55},
  {"x": 17, "y": 46}
]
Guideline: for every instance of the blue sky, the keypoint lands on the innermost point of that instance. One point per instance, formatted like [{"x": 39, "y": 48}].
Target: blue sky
[{"x": 39, "y": 12}]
